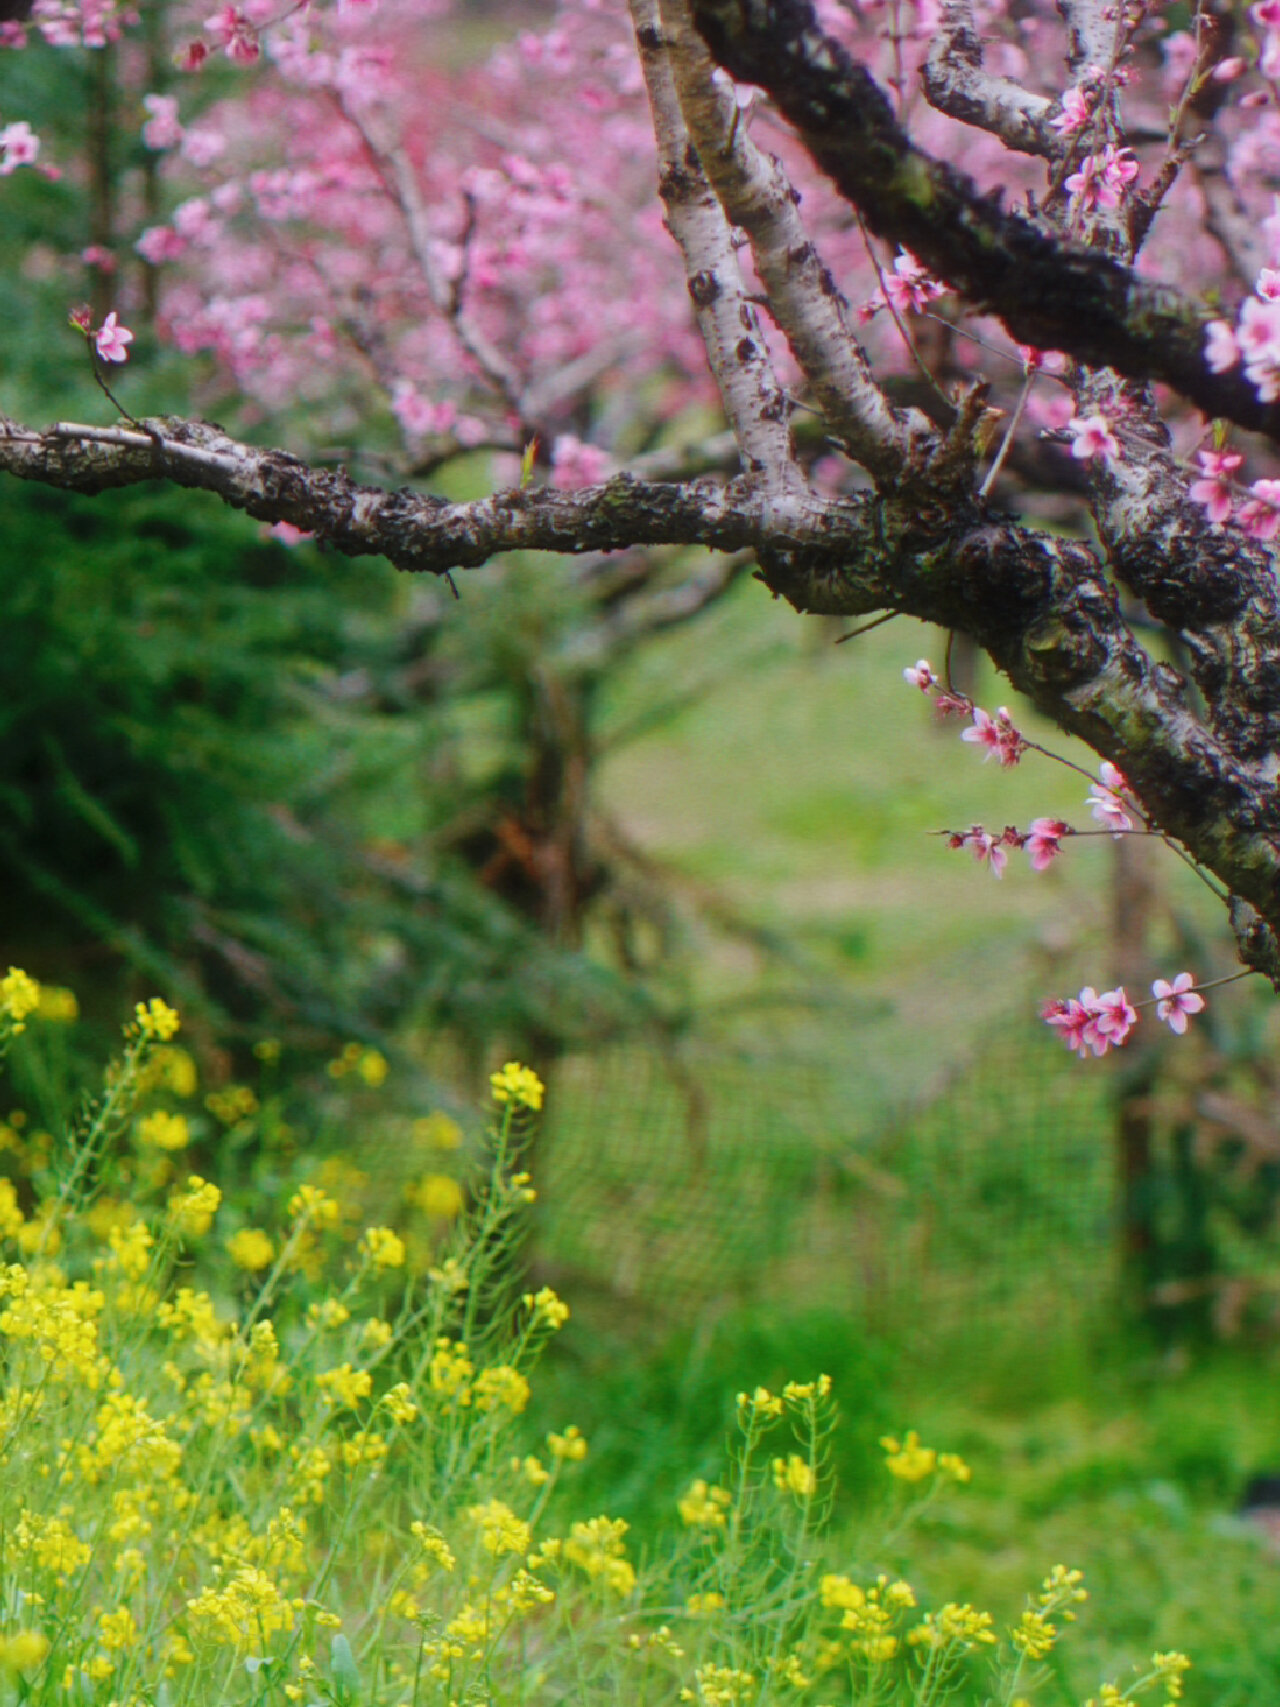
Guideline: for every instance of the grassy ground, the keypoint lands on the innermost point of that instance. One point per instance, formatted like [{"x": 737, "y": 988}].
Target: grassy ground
[{"x": 916, "y": 1192}]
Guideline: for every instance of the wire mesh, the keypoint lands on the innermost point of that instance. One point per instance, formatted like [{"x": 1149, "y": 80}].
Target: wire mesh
[{"x": 714, "y": 1179}]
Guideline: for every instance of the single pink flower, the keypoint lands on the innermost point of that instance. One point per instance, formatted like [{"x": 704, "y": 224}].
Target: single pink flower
[
  {"x": 1116, "y": 1016},
  {"x": 988, "y": 849},
  {"x": 1075, "y": 112},
  {"x": 921, "y": 676},
  {"x": 1260, "y": 516},
  {"x": 1071, "y": 1020},
  {"x": 191, "y": 56},
  {"x": 909, "y": 287},
  {"x": 19, "y": 146},
  {"x": 1221, "y": 351},
  {"x": 112, "y": 340},
  {"x": 1093, "y": 437},
  {"x": 1043, "y": 842},
  {"x": 1214, "y": 490},
  {"x": 984, "y": 732},
  {"x": 1105, "y": 799},
  {"x": 575, "y": 464},
  {"x": 1174, "y": 1002}
]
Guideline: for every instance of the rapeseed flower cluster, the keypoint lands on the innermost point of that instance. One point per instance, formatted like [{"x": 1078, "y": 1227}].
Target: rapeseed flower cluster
[{"x": 288, "y": 1456}]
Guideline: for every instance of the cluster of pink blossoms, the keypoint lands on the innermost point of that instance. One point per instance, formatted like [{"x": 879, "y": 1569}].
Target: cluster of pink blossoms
[
  {"x": 1255, "y": 338},
  {"x": 1102, "y": 180},
  {"x": 1042, "y": 843},
  {"x": 1110, "y": 799},
  {"x": 1091, "y": 1024},
  {"x": 908, "y": 289}
]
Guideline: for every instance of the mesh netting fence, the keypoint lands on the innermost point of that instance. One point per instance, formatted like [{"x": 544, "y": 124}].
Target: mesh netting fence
[{"x": 714, "y": 1178}]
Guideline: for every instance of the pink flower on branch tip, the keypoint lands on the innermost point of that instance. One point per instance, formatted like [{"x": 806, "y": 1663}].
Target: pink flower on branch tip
[
  {"x": 997, "y": 734},
  {"x": 1176, "y": 1000},
  {"x": 920, "y": 675},
  {"x": 111, "y": 340}
]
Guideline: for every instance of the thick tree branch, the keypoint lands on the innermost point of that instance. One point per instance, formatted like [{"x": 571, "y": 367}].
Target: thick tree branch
[
  {"x": 754, "y": 403},
  {"x": 957, "y": 83},
  {"x": 804, "y": 298},
  {"x": 1217, "y": 589},
  {"x": 1040, "y": 604},
  {"x": 1048, "y": 292}
]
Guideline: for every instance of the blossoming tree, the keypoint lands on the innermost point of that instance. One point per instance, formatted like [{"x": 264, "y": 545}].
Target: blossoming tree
[{"x": 1022, "y": 400}]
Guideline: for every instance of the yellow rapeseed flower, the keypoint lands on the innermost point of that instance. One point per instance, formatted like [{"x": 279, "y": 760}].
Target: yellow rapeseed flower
[
  {"x": 19, "y": 996},
  {"x": 517, "y": 1085},
  {"x": 382, "y": 1248},
  {"x": 438, "y": 1131},
  {"x": 438, "y": 1195},
  {"x": 311, "y": 1205},
  {"x": 762, "y": 1403},
  {"x": 24, "y": 1650},
  {"x": 703, "y": 1506},
  {"x": 164, "y": 1131},
  {"x": 549, "y": 1309},
  {"x": 232, "y": 1104},
  {"x": 792, "y": 1475},
  {"x": 57, "y": 1004},
  {"x": 1033, "y": 1635},
  {"x": 569, "y": 1447},
  {"x": 372, "y": 1067},
  {"x": 250, "y": 1249},
  {"x": 157, "y": 1020},
  {"x": 192, "y": 1210},
  {"x": 398, "y": 1402},
  {"x": 501, "y": 1531},
  {"x": 345, "y": 1386},
  {"x": 907, "y": 1459},
  {"x": 501, "y": 1385}
]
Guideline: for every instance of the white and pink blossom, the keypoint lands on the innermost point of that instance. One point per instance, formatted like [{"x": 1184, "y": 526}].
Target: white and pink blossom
[
  {"x": 1075, "y": 112},
  {"x": 920, "y": 675},
  {"x": 1043, "y": 841},
  {"x": 162, "y": 129},
  {"x": 112, "y": 340},
  {"x": 1221, "y": 351},
  {"x": 19, "y": 146},
  {"x": 997, "y": 734},
  {"x": 1259, "y": 516},
  {"x": 1092, "y": 437},
  {"x": 1107, "y": 800},
  {"x": 1215, "y": 489},
  {"x": 1177, "y": 1000}
]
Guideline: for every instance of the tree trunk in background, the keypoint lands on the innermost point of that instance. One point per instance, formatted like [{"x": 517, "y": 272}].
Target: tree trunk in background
[{"x": 1133, "y": 894}]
